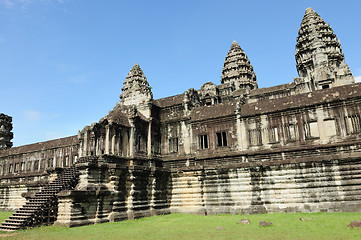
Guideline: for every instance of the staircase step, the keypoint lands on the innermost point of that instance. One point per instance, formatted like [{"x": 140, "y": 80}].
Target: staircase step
[
  {"x": 29, "y": 208},
  {"x": 23, "y": 214},
  {"x": 19, "y": 217},
  {"x": 20, "y": 221},
  {"x": 9, "y": 228},
  {"x": 10, "y": 224},
  {"x": 42, "y": 201}
]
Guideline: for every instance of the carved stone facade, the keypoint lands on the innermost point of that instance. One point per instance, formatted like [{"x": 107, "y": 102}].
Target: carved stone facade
[
  {"x": 237, "y": 70},
  {"x": 320, "y": 61},
  {"x": 220, "y": 149},
  {"x": 5, "y": 131}
]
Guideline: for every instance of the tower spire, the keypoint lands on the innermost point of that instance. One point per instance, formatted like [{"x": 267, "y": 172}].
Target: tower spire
[
  {"x": 319, "y": 57},
  {"x": 136, "y": 89},
  {"x": 237, "y": 69}
]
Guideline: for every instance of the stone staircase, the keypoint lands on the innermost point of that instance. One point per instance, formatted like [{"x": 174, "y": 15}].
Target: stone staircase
[{"x": 42, "y": 208}]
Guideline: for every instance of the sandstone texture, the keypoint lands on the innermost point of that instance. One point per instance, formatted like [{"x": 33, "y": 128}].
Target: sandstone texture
[
  {"x": 265, "y": 224},
  {"x": 355, "y": 224},
  {"x": 244, "y": 221},
  {"x": 222, "y": 149}
]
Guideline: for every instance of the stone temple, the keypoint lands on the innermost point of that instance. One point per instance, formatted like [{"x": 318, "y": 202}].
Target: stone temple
[{"x": 225, "y": 148}]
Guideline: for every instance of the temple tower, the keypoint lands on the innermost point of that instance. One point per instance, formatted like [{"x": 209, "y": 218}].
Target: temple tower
[
  {"x": 319, "y": 58},
  {"x": 238, "y": 70},
  {"x": 136, "y": 91},
  {"x": 5, "y": 131}
]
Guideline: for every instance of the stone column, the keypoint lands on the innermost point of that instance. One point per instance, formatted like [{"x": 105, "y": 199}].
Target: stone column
[
  {"x": 186, "y": 137},
  {"x": 152, "y": 189},
  {"x": 241, "y": 131},
  {"x": 120, "y": 141},
  {"x": 149, "y": 142},
  {"x": 320, "y": 124},
  {"x": 107, "y": 139},
  {"x": 114, "y": 133},
  {"x": 264, "y": 132},
  {"x": 130, "y": 190},
  {"x": 244, "y": 139},
  {"x": 81, "y": 144},
  {"x": 85, "y": 144},
  {"x": 131, "y": 138},
  {"x": 96, "y": 145}
]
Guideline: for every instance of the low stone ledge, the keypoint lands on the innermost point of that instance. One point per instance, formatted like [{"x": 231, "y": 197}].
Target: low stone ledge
[
  {"x": 220, "y": 167},
  {"x": 24, "y": 174},
  {"x": 82, "y": 193},
  {"x": 75, "y": 193},
  {"x": 24, "y": 184}
]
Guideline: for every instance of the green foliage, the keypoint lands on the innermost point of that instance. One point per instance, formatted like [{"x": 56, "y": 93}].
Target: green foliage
[{"x": 326, "y": 226}]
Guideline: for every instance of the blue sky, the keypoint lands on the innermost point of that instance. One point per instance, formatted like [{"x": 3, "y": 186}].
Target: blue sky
[{"x": 63, "y": 62}]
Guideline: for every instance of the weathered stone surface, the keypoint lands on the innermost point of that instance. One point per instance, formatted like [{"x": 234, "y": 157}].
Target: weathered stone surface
[
  {"x": 225, "y": 148},
  {"x": 244, "y": 221},
  {"x": 319, "y": 57},
  {"x": 237, "y": 70},
  {"x": 136, "y": 88},
  {"x": 355, "y": 224},
  {"x": 5, "y": 131},
  {"x": 265, "y": 224}
]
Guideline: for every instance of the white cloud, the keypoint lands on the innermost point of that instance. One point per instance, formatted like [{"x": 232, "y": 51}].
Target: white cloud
[
  {"x": 23, "y": 4},
  {"x": 358, "y": 78},
  {"x": 31, "y": 115},
  {"x": 7, "y": 3}
]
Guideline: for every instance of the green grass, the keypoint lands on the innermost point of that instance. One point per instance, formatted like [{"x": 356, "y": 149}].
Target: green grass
[
  {"x": 4, "y": 215},
  {"x": 178, "y": 226}
]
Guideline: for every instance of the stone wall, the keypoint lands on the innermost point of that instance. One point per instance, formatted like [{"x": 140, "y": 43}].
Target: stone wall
[
  {"x": 28, "y": 168},
  {"x": 115, "y": 189},
  {"x": 327, "y": 181},
  {"x": 13, "y": 191},
  {"x": 221, "y": 149}
]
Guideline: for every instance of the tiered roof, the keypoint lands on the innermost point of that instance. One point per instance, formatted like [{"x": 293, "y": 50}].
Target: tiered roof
[
  {"x": 136, "y": 88},
  {"x": 317, "y": 44},
  {"x": 237, "y": 69}
]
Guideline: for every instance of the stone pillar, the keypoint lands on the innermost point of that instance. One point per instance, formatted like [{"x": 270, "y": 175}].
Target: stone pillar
[
  {"x": 107, "y": 139},
  {"x": 186, "y": 137},
  {"x": 120, "y": 141},
  {"x": 264, "y": 132},
  {"x": 152, "y": 182},
  {"x": 81, "y": 144},
  {"x": 114, "y": 133},
  {"x": 95, "y": 145},
  {"x": 85, "y": 143},
  {"x": 149, "y": 142},
  {"x": 131, "y": 138},
  {"x": 129, "y": 199},
  {"x": 116, "y": 141},
  {"x": 320, "y": 124},
  {"x": 242, "y": 140}
]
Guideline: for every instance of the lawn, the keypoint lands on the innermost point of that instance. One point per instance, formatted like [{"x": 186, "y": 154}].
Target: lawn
[{"x": 178, "y": 226}]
